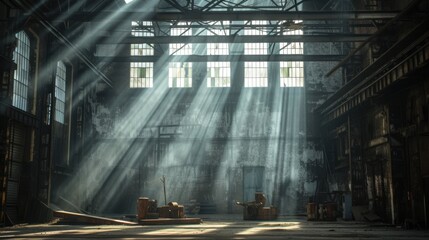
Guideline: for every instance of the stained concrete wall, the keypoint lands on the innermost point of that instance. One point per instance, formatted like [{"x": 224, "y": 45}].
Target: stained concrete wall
[{"x": 202, "y": 152}]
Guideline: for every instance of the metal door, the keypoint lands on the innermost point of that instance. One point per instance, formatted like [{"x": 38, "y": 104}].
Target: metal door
[{"x": 378, "y": 188}]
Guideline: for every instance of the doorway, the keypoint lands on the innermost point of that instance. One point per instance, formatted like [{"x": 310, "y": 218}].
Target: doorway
[{"x": 253, "y": 181}]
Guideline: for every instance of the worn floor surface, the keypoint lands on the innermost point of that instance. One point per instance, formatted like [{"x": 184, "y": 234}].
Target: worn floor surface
[{"x": 219, "y": 227}]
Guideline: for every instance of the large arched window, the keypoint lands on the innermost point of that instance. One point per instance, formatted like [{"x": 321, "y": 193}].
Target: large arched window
[
  {"x": 21, "y": 56},
  {"x": 60, "y": 91}
]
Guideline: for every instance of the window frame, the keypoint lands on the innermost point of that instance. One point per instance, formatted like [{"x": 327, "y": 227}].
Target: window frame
[{"x": 21, "y": 75}]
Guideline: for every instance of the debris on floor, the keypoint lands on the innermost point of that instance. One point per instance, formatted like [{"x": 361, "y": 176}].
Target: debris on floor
[
  {"x": 256, "y": 210},
  {"x": 148, "y": 213},
  {"x": 71, "y": 217}
]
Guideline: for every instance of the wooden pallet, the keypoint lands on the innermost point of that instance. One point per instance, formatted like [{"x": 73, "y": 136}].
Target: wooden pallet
[{"x": 89, "y": 219}]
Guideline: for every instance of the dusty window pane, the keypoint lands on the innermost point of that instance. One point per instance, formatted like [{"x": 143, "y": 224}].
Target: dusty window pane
[
  {"x": 255, "y": 74},
  {"x": 292, "y": 73},
  {"x": 218, "y": 29},
  {"x": 218, "y": 74},
  {"x": 181, "y": 48},
  {"x": 141, "y": 75},
  {"x": 180, "y": 75},
  {"x": 21, "y": 56},
  {"x": 60, "y": 91}
]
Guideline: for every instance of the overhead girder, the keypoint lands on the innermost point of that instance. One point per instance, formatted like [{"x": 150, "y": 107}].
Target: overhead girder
[
  {"x": 196, "y": 16},
  {"x": 237, "y": 39},
  {"x": 222, "y": 58},
  {"x": 207, "y": 5},
  {"x": 303, "y": 26},
  {"x": 409, "y": 8}
]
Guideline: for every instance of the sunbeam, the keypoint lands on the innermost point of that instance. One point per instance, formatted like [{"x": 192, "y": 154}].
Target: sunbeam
[{"x": 215, "y": 142}]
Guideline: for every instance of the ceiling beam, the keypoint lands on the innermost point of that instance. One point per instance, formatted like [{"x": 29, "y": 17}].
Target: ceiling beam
[
  {"x": 223, "y": 58},
  {"x": 338, "y": 37},
  {"x": 229, "y": 15}
]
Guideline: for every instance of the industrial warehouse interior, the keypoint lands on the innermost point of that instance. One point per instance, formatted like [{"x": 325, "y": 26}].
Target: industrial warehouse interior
[{"x": 214, "y": 119}]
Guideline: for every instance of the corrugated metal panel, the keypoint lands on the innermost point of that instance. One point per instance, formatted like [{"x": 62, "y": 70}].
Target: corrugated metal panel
[
  {"x": 17, "y": 153},
  {"x": 12, "y": 213},
  {"x": 12, "y": 192},
  {"x": 15, "y": 171}
]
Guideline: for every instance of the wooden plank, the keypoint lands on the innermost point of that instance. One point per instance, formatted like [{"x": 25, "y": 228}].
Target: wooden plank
[
  {"x": 170, "y": 221},
  {"x": 85, "y": 218}
]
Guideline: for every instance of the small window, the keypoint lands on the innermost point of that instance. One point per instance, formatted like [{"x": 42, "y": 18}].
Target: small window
[
  {"x": 255, "y": 74},
  {"x": 255, "y": 28},
  {"x": 141, "y": 75},
  {"x": 180, "y": 75},
  {"x": 60, "y": 91},
  {"x": 291, "y": 74},
  {"x": 21, "y": 77},
  {"x": 218, "y": 29},
  {"x": 142, "y": 29},
  {"x": 181, "y": 48},
  {"x": 218, "y": 74}
]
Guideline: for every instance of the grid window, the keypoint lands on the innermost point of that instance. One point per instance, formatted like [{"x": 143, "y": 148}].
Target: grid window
[
  {"x": 255, "y": 74},
  {"x": 255, "y": 48},
  {"x": 218, "y": 29},
  {"x": 141, "y": 75},
  {"x": 180, "y": 75},
  {"x": 218, "y": 74},
  {"x": 181, "y": 48},
  {"x": 21, "y": 77},
  {"x": 291, "y": 74},
  {"x": 142, "y": 29},
  {"x": 254, "y": 28},
  {"x": 60, "y": 92},
  {"x": 142, "y": 49}
]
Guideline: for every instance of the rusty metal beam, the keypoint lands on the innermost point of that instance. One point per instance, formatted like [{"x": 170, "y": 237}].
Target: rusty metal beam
[
  {"x": 346, "y": 97},
  {"x": 237, "y": 39},
  {"x": 382, "y": 30},
  {"x": 197, "y": 15}
]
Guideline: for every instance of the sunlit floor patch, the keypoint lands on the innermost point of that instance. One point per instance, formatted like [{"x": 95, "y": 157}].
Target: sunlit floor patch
[{"x": 258, "y": 229}]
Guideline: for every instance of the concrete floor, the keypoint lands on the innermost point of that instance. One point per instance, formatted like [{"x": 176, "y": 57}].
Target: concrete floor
[{"x": 219, "y": 227}]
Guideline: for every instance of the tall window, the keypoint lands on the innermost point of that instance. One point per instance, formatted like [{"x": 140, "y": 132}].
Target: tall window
[
  {"x": 141, "y": 73},
  {"x": 180, "y": 73},
  {"x": 255, "y": 73},
  {"x": 292, "y": 73},
  {"x": 218, "y": 73},
  {"x": 60, "y": 91},
  {"x": 21, "y": 56}
]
